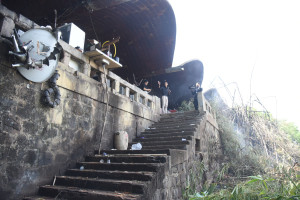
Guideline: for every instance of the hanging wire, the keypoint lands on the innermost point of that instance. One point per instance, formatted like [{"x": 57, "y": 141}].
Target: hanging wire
[{"x": 91, "y": 19}]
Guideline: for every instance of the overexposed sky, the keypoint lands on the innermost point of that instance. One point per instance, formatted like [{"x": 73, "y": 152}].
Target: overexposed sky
[{"x": 234, "y": 37}]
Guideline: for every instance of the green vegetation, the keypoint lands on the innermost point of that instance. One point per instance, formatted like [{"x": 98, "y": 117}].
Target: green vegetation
[
  {"x": 253, "y": 143},
  {"x": 194, "y": 180},
  {"x": 284, "y": 185},
  {"x": 187, "y": 105},
  {"x": 291, "y": 129}
]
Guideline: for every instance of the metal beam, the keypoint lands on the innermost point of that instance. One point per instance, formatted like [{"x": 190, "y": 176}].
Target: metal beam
[{"x": 165, "y": 71}]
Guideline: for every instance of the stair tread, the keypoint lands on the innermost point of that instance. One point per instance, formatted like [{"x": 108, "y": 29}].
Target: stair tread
[
  {"x": 114, "y": 171},
  {"x": 148, "y": 140},
  {"x": 163, "y": 138},
  {"x": 125, "y": 195},
  {"x": 182, "y": 147},
  {"x": 162, "y": 142},
  {"x": 182, "y": 134},
  {"x": 133, "y": 155},
  {"x": 170, "y": 132},
  {"x": 38, "y": 198},
  {"x": 132, "y": 152},
  {"x": 162, "y": 145},
  {"x": 123, "y": 163},
  {"x": 136, "y": 182},
  {"x": 121, "y": 166}
]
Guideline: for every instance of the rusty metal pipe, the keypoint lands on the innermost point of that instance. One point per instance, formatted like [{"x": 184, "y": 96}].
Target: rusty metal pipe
[
  {"x": 16, "y": 45},
  {"x": 20, "y": 56}
]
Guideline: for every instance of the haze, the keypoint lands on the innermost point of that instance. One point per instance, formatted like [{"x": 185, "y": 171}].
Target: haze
[{"x": 234, "y": 37}]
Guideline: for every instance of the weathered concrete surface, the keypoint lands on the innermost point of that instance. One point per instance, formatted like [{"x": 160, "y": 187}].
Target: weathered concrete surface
[
  {"x": 160, "y": 171},
  {"x": 196, "y": 165},
  {"x": 38, "y": 142}
]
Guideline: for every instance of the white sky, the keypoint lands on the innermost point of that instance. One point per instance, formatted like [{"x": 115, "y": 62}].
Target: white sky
[{"x": 231, "y": 37}]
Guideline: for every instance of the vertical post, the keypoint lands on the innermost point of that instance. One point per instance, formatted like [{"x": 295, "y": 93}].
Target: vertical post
[
  {"x": 127, "y": 91},
  {"x": 67, "y": 58},
  {"x": 116, "y": 86},
  {"x": 137, "y": 97},
  {"x": 201, "y": 102},
  {"x": 103, "y": 79},
  {"x": 87, "y": 69}
]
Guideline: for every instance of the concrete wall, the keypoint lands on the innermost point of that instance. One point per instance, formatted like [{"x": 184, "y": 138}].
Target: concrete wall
[{"x": 38, "y": 142}]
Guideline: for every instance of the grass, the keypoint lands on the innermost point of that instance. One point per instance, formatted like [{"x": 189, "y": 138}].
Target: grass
[
  {"x": 280, "y": 186},
  {"x": 260, "y": 158}
]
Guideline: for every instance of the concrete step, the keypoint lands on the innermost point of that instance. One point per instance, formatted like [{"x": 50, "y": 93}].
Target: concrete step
[
  {"x": 172, "y": 129},
  {"x": 137, "y": 187},
  {"x": 176, "y": 114},
  {"x": 167, "y": 138},
  {"x": 180, "y": 116},
  {"x": 104, "y": 174},
  {"x": 163, "y": 142},
  {"x": 151, "y": 167},
  {"x": 155, "y": 135},
  {"x": 180, "y": 120},
  {"x": 131, "y": 152},
  {"x": 182, "y": 147},
  {"x": 39, "y": 198},
  {"x": 127, "y": 159},
  {"x": 74, "y": 193},
  {"x": 175, "y": 125}
]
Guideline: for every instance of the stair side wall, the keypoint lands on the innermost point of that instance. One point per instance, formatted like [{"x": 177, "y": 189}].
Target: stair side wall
[{"x": 186, "y": 167}]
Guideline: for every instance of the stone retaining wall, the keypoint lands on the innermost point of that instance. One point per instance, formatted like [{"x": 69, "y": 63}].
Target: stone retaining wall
[
  {"x": 38, "y": 142},
  {"x": 193, "y": 167}
]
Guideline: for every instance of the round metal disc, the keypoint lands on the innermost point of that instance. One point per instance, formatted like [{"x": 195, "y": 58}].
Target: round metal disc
[{"x": 43, "y": 43}]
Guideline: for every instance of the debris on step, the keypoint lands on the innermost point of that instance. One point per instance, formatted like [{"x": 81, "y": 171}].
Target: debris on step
[{"x": 137, "y": 146}]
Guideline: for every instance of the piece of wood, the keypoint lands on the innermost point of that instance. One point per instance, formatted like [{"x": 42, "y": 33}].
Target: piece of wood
[{"x": 97, "y": 56}]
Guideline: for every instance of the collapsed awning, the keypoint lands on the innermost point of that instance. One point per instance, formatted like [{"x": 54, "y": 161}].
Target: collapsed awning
[{"x": 147, "y": 28}]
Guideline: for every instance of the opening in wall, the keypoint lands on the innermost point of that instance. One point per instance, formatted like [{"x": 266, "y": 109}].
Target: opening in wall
[
  {"x": 142, "y": 99},
  {"x": 132, "y": 95},
  {"x": 122, "y": 90},
  {"x": 110, "y": 82},
  {"x": 197, "y": 144},
  {"x": 95, "y": 74},
  {"x": 149, "y": 104}
]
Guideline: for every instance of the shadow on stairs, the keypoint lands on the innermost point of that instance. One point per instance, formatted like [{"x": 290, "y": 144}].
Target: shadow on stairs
[{"x": 130, "y": 174}]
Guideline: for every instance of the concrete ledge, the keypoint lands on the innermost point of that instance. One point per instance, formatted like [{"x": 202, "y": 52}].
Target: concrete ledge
[
  {"x": 8, "y": 13},
  {"x": 19, "y": 20},
  {"x": 81, "y": 84}
]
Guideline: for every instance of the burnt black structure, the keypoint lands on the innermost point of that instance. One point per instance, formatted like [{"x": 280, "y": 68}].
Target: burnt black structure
[
  {"x": 147, "y": 31},
  {"x": 147, "y": 28}
]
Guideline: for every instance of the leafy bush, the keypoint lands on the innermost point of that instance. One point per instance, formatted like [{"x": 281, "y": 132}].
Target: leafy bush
[
  {"x": 291, "y": 129},
  {"x": 283, "y": 185},
  {"x": 187, "y": 105},
  {"x": 253, "y": 143},
  {"x": 242, "y": 162}
]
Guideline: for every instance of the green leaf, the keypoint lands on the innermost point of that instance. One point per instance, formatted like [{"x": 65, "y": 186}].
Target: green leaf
[
  {"x": 265, "y": 184},
  {"x": 252, "y": 181},
  {"x": 256, "y": 177}
]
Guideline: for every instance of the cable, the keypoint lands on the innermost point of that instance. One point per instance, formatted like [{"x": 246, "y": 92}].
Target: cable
[
  {"x": 114, "y": 46},
  {"x": 93, "y": 25}
]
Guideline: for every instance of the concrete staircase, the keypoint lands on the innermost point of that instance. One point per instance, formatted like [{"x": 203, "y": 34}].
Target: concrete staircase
[{"x": 131, "y": 174}]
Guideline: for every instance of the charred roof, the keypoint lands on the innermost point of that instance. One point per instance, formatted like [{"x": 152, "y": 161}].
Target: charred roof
[{"x": 147, "y": 28}]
